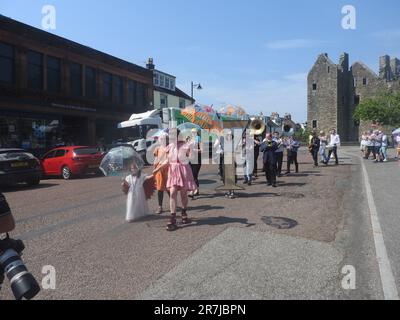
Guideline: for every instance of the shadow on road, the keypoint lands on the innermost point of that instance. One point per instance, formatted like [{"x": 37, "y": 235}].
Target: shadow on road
[
  {"x": 205, "y": 208},
  {"x": 214, "y": 221},
  {"x": 205, "y": 181}
]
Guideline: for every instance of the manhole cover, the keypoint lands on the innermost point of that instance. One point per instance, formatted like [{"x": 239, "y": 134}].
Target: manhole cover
[
  {"x": 292, "y": 195},
  {"x": 279, "y": 222}
]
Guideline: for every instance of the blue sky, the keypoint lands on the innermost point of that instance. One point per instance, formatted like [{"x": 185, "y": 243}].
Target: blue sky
[{"x": 253, "y": 53}]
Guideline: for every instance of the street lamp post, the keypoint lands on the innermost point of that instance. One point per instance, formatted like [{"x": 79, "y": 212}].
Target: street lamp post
[{"x": 198, "y": 87}]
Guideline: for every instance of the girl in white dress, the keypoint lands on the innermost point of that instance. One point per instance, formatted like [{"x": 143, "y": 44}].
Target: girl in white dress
[{"x": 134, "y": 187}]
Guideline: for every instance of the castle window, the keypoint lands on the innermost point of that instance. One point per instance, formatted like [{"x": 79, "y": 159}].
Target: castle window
[
  {"x": 365, "y": 81},
  {"x": 314, "y": 86},
  {"x": 314, "y": 124},
  {"x": 355, "y": 81},
  {"x": 329, "y": 69}
]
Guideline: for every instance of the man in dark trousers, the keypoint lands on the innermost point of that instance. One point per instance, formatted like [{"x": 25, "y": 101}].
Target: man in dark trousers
[
  {"x": 314, "y": 147},
  {"x": 292, "y": 146},
  {"x": 268, "y": 147},
  {"x": 257, "y": 142}
]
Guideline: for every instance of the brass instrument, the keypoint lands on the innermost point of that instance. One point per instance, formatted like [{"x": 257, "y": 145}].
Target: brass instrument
[
  {"x": 287, "y": 129},
  {"x": 257, "y": 126}
]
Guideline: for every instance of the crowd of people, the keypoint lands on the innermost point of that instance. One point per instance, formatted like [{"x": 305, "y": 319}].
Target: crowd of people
[
  {"x": 375, "y": 143},
  {"x": 177, "y": 163}
]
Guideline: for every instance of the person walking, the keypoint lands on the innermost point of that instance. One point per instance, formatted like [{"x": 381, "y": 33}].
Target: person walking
[
  {"x": 248, "y": 156},
  {"x": 378, "y": 144},
  {"x": 180, "y": 177},
  {"x": 334, "y": 143},
  {"x": 268, "y": 147},
  {"x": 315, "y": 144},
  {"x": 292, "y": 146},
  {"x": 322, "y": 148},
  {"x": 398, "y": 146},
  {"x": 279, "y": 153},
  {"x": 384, "y": 146},
  {"x": 257, "y": 142},
  {"x": 161, "y": 176},
  {"x": 195, "y": 161}
]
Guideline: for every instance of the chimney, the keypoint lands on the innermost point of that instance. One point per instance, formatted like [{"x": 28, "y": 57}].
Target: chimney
[
  {"x": 384, "y": 68},
  {"x": 150, "y": 65},
  {"x": 344, "y": 61}
]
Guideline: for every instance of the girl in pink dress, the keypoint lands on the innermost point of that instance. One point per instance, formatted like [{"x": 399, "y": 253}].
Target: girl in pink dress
[{"x": 180, "y": 176}]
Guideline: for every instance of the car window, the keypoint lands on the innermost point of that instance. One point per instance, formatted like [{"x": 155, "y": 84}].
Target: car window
[
  {"x": 59, "y": 153},
  {"x": 49, "y": 155},
  {"x": 85, "y": 151},
  {"x": 16, "y": 154}
]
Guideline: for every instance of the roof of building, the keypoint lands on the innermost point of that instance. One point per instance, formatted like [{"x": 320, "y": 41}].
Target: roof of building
[
  {"x": 178, "y": 93},
  {"x": 50, "y": 39},
  {"x": 365, "y": 67}
]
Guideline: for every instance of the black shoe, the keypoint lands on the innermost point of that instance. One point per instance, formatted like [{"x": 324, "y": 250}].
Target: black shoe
[
  {"x": 274, "y": 185},
  {"x": 245, "y": 181},
  {"x": 249, "y": 183},
  {"x": 269, "y": 184}
]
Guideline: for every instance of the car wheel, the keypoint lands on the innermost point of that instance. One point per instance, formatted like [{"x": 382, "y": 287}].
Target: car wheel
[
  {"x": 33, "y": 182},
  {"x": 66, "y": 173}
]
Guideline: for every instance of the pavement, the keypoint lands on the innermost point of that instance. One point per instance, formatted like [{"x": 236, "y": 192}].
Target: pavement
[{"x": 289, "y": 242}]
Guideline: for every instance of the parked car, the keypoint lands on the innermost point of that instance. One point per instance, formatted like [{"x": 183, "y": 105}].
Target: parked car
[
  {"x": 70, "y": 161},
  {"x": 17, "y": 165}
]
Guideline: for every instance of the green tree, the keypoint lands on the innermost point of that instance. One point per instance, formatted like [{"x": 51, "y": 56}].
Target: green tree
[{"x": 383, "y": 109}]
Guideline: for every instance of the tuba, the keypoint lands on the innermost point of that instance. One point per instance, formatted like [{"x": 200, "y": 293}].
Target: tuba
[
  {"x": 287, "y": 129},
  {"x": 257, "y": 126}
]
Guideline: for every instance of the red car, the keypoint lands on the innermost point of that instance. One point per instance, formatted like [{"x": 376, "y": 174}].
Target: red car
[{"x": 71, "y": 161}]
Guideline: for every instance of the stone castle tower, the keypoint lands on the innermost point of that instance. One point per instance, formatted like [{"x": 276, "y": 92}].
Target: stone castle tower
[{"x": 335, "y": 90}]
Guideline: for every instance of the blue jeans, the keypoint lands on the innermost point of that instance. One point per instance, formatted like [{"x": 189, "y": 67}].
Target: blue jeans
[
  {"x": 383, "y": 152},
  {"x": 322, "y": 152}
]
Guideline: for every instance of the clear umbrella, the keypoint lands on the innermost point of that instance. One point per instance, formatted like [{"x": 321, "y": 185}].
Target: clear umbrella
[{"x": 118, "y": 160}]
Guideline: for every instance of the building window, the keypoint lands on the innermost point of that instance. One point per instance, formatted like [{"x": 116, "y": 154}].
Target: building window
[
  {"x": 314, "y": 86},
  {"x": 329, "y": 69},
  {"x": 167, "y": 82},
  {"x": 356, "y": 100},
  {"x": 131, "y": 99},
  {"x": 140, "y": 95},
  {"x": 6, "y": 63},
  {"x": 120, "y": 90},
  {"x": 163, "y": 101},
  {"x": 182, "y": 103},
  {"x": 107, "y": 86},
  {"x": 162, "y": 81},
  {"x": 53, "y": 74},
  {"x": 35, "y": 70},
  {"x": 172, "y": 84},
  {"x": 365, "y": 81},
  {"x": 75, "y": 79},
  {"x": 355, "y": 81},
  {"x": 315, "y": 124},
  {"x": 90, "y": 83},
  {"x": 156, "y": 79}
]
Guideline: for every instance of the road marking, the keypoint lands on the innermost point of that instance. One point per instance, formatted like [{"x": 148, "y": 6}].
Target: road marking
[{"x": 387, "y": 279}]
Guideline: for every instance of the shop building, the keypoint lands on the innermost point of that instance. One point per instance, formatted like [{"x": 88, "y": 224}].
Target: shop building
[{"x": 54, "y": 91}]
